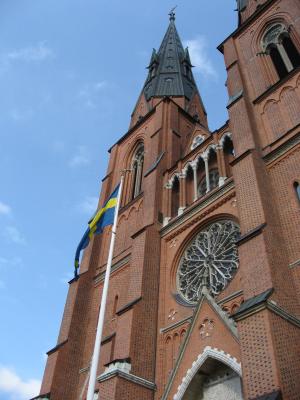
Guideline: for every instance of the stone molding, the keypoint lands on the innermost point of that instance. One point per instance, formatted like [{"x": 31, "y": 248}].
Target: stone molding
[
  {"x": 100, "y": 277},
  {"x": 193, "y": 211},
  {"x": 208, "y": 352},
  {"x": 128, "y": 306},
  {"x": 251, "y": 234},
  {"x": 57, "y": 347},
  {"x": 275, "y": 154},
  {"x": 122, "y": 369},
  {"x": 233, "y": 99},
  {"x": 295, "y": 264},
  {"x": 176, "y": 325},
  {"x": 42, "y": 397},
  {"x": 230, "y": 297}
]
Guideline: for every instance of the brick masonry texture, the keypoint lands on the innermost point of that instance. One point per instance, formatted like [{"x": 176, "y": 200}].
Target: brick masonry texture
[{"x": 147, "y": 322}]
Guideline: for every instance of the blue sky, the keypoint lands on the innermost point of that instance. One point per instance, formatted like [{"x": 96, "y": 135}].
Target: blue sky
[{"x": 70, "y": 74}]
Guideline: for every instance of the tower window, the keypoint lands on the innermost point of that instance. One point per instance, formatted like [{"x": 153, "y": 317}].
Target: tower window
[
  {"x": 281, "y": 49},
  {"x": 137, "y": 171},
  {"x": 278, "y": 62},
  {"x": 291, "y": 51},
  {"x": 297, "y": 190}
]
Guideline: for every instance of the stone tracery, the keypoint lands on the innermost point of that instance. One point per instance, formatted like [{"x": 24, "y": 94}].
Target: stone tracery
[{"x": 210, "y": 260}]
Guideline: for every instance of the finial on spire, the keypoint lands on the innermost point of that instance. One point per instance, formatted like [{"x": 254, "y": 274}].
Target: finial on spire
[{"x": 172, "y": 14}]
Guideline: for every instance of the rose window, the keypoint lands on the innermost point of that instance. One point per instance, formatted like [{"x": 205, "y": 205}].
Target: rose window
[{"x": 210, "y": 260}]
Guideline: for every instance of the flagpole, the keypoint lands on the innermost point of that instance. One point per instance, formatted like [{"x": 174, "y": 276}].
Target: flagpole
[{"x": 97, "y": 346}]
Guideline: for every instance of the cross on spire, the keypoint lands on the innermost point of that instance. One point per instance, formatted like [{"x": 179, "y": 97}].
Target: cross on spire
[{"x": 172, "y": 14}]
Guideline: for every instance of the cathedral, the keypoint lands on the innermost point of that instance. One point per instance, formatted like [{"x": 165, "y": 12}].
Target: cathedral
[{"x": 204, "y": 294}]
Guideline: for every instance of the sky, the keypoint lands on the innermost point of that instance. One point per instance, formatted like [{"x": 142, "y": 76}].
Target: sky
[{"x": 70, "y": 74}]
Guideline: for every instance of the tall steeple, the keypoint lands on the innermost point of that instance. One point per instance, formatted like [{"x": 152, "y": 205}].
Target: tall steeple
[
  {"x": 170, "y": 69},
  {"x": 170, "y": 74}
]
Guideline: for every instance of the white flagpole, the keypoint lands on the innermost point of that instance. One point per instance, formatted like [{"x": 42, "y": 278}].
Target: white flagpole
[{"x": 97, "y": 347}]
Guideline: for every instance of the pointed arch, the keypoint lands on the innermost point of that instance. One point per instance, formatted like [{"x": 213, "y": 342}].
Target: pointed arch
[
  {"x": 137, "y": 167},
  {"x": 208, "y": 352}
]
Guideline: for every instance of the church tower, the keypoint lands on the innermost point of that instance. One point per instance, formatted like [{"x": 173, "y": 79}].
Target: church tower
[{"x": 204, "y": 297}]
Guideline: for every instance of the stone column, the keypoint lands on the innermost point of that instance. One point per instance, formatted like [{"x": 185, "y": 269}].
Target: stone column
[
  {"x": 168, "y": 187},
  {"x": 205, "y": 159},
  {"x": 182, "y": 192},
  {"x": 194, "y": 165},
  {"x": 285, "y": 57},
  {"x": 221, "y": 164}
]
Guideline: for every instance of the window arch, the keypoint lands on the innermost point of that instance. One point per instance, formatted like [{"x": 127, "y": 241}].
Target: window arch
[
  {"x": 213, "y": 180},
  {"x": 297, "y": 190},
  {"x": 137, "y": 171},
  {"x": 278, "y": 44},
  {"x": 197, "y": 141}
]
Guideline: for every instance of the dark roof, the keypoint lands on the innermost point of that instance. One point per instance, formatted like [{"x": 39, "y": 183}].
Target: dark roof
[
  {"x": 276, "y": 395},
  {"x": 170, "y": 69},
  {"x": 254, "y": 301}
]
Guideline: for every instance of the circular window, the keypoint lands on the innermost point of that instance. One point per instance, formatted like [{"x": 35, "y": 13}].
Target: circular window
[{"x": 210, "y": 260}]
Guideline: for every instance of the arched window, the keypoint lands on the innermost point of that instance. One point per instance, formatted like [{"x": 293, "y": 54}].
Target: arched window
[
  {"x": 137, "y": 171},
  {"x": 291, "y": 50},
  {"x": 284, "y": 54},
  {"x": 213, "y": 182},
  {"x": 197, "y": 141},
  {"x": 175, "y": 198},
  {"x": 297, "y": 190}
]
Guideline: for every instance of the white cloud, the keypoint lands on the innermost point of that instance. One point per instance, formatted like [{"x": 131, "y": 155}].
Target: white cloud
[
  {"x": 15, "y": 387},
  {"x": 21, "y": 115},
  {"x": 199, "y": 58},
  {"x": 80, "y": 158},
  {"x": 100, "y": 85},
  {"x": 89, "y": 93},
  {"x": 12, "y": 234},
  {"x": 37, "y": 53},
  {"x": 5, "y": 209},
  {"x": 11, "y": 262},
  {"x": 88, "y": 205}
]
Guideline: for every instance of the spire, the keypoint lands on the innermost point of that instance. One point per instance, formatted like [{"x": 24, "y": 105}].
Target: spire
[{"x": 170, "y": 69}]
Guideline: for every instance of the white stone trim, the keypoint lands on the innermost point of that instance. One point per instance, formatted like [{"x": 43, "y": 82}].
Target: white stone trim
[
  {"x": 181, "y": 210},
  {"x": 208, "y": 352},
  {"x": 123, "y": 370},
  {"x": 118, "y": 366}
]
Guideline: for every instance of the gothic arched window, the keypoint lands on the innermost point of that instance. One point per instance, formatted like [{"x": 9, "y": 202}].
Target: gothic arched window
[
  {"x": 137, "y": 171},
  {"x": 197, "y": 141},
  {"x": 280, "y": 47},
  {"x": 297, "y": 190},
  {"x": 213, "y": 182},
  {"x": 210, "y": 260}
]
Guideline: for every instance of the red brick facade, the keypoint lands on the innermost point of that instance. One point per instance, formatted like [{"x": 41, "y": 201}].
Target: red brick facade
[{"x": 156, "y": 345}]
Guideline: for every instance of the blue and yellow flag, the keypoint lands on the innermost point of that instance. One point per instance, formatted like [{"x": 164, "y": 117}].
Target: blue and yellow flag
[{"x": 103, "y": 217}]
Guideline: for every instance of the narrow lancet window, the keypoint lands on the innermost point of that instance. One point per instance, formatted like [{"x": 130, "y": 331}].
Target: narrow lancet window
[
  {"x": 297, "y": 190},
  {"x": 137, "y": 171}
]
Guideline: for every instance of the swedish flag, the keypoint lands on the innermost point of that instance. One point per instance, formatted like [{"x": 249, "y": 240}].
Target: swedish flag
[{"x": 103, "y": 217}]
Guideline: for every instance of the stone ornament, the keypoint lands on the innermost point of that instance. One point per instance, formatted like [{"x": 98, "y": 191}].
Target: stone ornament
[
  {"x": 210, "y": 260},
  {"x": 172, "y": 314},
  {"x": 206, "y": 328}
]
